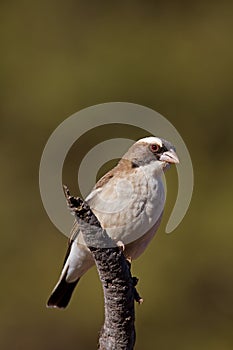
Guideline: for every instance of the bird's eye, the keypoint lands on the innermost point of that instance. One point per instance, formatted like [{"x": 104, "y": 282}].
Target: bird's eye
[{"x": 154, "y": 148}]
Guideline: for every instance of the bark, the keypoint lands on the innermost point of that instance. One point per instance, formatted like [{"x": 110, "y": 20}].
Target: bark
[{"x": 118, "y": 331}]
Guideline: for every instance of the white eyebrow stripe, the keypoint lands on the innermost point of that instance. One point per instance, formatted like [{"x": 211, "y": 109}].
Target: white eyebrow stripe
[{"x": 151, "y": 140}]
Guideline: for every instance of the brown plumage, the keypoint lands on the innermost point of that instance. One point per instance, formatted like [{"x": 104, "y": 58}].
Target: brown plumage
[{"x": 128, "y": 202}]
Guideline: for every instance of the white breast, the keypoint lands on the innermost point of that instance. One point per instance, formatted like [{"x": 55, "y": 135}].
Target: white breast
[{"x": 128, "y": 207}]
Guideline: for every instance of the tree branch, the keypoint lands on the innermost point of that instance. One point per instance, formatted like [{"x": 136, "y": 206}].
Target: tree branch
[{"x": 118, "y": 331}]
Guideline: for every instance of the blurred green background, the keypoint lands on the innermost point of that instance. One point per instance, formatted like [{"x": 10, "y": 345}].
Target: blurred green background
[{"x": 173, "y": 56}]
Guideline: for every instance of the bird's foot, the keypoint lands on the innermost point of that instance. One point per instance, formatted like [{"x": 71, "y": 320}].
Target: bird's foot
[{"x": 120, "y": 245}]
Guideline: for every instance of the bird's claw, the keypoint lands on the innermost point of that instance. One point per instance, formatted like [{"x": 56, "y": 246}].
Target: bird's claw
[{"x": 121, "y": 245}]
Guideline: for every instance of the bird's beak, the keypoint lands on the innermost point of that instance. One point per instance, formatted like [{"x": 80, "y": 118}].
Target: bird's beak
[{"x": 169, "y": 157}]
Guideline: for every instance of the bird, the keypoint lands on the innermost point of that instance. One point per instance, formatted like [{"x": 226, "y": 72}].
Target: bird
[{"x": 129, "y": 202}]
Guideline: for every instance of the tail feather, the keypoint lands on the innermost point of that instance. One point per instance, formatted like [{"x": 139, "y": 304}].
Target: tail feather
[
  {"x": 77, "y": 261},
  {"x": 61, "y": 295}
]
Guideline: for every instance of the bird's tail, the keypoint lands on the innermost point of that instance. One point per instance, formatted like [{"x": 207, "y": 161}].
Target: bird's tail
[{"x": 61, "y": 294}]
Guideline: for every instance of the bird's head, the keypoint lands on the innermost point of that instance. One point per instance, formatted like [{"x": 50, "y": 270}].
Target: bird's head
[{"x": 152, "y": 149}]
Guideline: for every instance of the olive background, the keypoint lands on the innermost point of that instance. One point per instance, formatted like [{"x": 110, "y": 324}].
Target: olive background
[{"x": 172, "y": 56}]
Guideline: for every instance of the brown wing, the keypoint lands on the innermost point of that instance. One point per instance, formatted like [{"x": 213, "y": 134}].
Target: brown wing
[{"x": 123, "y": 166}]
